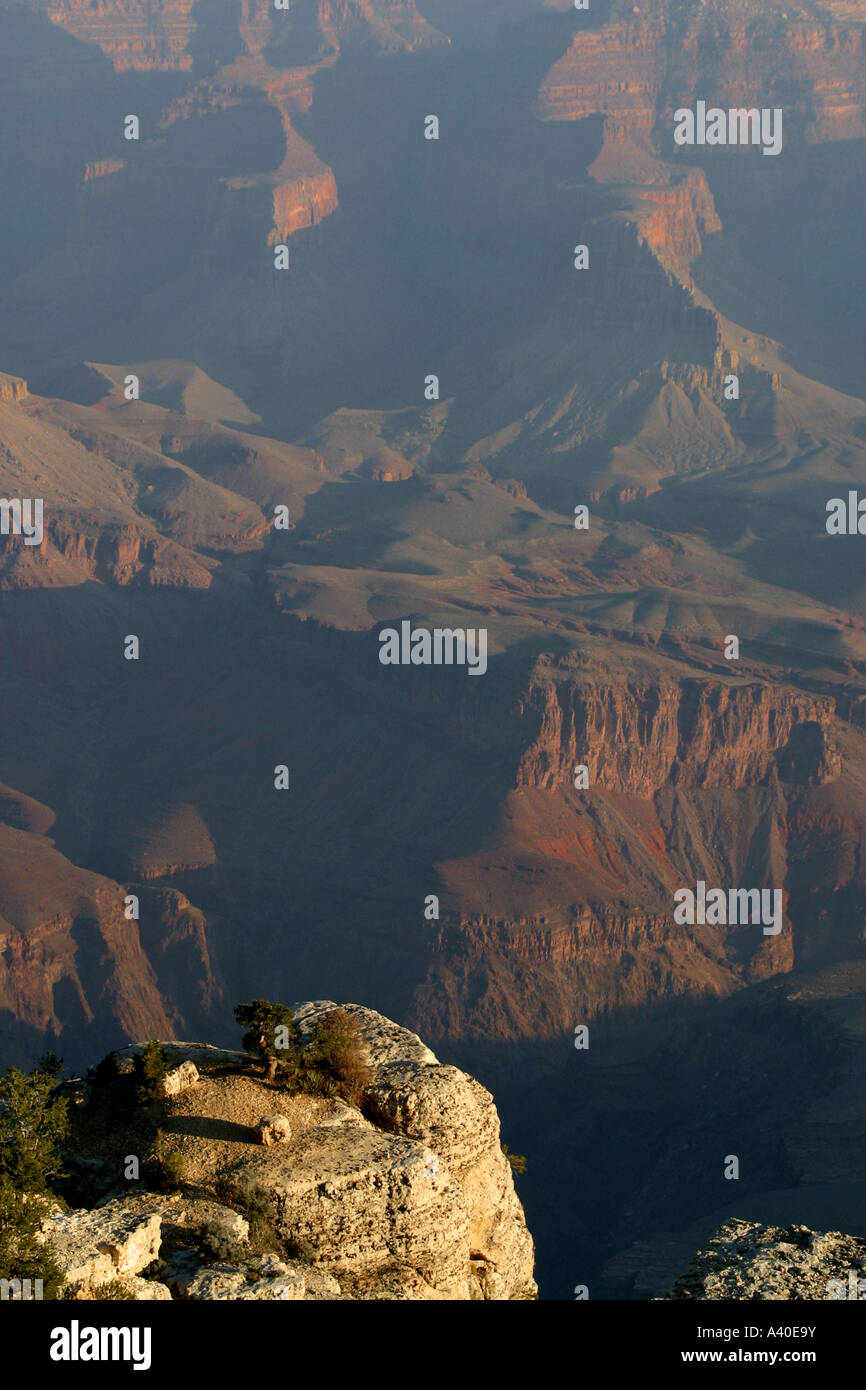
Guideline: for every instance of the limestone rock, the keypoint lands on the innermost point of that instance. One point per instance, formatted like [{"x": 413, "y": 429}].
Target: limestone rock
[
  {"x": 179, "y": 1078},
  {"x": 273, "y": 1129},
  {"x": 416, "y": 1201},
  {"x": 745, "y": 1260},
  {"x": 276, "y": 1282},
  {"x": 405, "y": 1197},
  {"x": 177, "y": 1053},
  {"x": 223, "y": 1224},
  {"x": 120, "y": 1238},
  {"x": 146, "y": 1290}
]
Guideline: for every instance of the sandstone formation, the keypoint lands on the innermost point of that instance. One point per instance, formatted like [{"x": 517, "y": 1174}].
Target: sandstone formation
[
  {"x": 699, "y": 734},
  {"x": 132, "y": 33},
  {"x": 12, "y": 388},
  {"x": 50, "y": 944},
  {"x": 745, "y": 1260},
  {"x": 647, "y": 59}
]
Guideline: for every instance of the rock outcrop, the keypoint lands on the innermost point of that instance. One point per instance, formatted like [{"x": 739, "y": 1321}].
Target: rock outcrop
[
  {"x": 412, "y": 1199},
  {"x": 113, "y": 1241},
  {"x": 697, "y": 733},
  {"x": 179, "y": 1078},
  {"x": 162, "y": 36},
  {"x": 409, "y": 1197},
  {"x": 65, "y": 937},
  {"x": 12, "y": 388},
  {"x": 273, "y": 1129},
  {"x": 745, "y": 1260},
  {"x": 648, "y": 59},
  {"x": 132, "y": 33}
]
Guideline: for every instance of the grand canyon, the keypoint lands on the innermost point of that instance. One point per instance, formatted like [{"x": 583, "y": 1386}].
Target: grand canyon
[{"x": 533, "y": 368}]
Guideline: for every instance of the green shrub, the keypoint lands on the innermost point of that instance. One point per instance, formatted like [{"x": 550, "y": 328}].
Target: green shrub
[
  {"x": 149, "y": 1072},
  {"x": 315, "y": 1083},
  {"x": 172, "y": 1166},
  {"x": 105, "y": 1072},
  {"x": 337, "y": 1051},
  {"x": 224, "y": 1247},
  {"x": 265, "y": 1239},
  {"x": 517, "y": 1161},
  {"x": 21, "y": 1255},
  {"x": 297, "y": 1248},
  {"x": 113, "y": 1291},
  {"x": 33, "y": 1121},
  {"x": 224, "y": 1191}
]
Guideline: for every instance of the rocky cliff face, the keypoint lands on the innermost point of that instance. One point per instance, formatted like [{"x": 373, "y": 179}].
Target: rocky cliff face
[
  {"x": 139, "y": 34},
  {"x": 617, "y": 71},
  {"x": 647, "y": 61},
  {"x": 391, "y": 25},
  {"x": 68, "y": 952},
  {"x": 681, "y": 215},
  {"x": 650, "y": 59},
  {"x": 12, "y": 388},
  {"x": 158, "y": 35},
  {"x": 694, "y": 734},
  {"x": 408, "y": 1197}
]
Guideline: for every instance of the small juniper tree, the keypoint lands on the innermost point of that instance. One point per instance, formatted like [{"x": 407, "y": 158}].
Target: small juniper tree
[
  {"x": 272, "y": 1034},
  {"x": 150, "y": 1074},
  {"x": 22, "y": 1255},
  {"x": 33, "y": 1122},
  {"x": 517, "y": 1161}
]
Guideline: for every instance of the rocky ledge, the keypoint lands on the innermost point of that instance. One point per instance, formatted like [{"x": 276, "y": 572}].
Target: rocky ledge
[
  {"x": 745, "y": 1260},
  {"x": 292, "y": 1196}
]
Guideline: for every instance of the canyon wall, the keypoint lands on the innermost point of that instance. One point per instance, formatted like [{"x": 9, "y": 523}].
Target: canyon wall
[
  {"x": 161, "y": 36},
  {"x": 147, "y": 35},
  {"x": 697, "y": 733},
  {"x": 648, "y": 60},
  {"x": 70, "y": 959}
]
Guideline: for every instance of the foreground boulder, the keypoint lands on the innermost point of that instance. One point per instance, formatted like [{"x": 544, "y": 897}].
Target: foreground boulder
[
  {"x": 276, "y": 1282},
  {"x": 273, "y": 1129},
  {"x": 178, "y": 1079}
]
